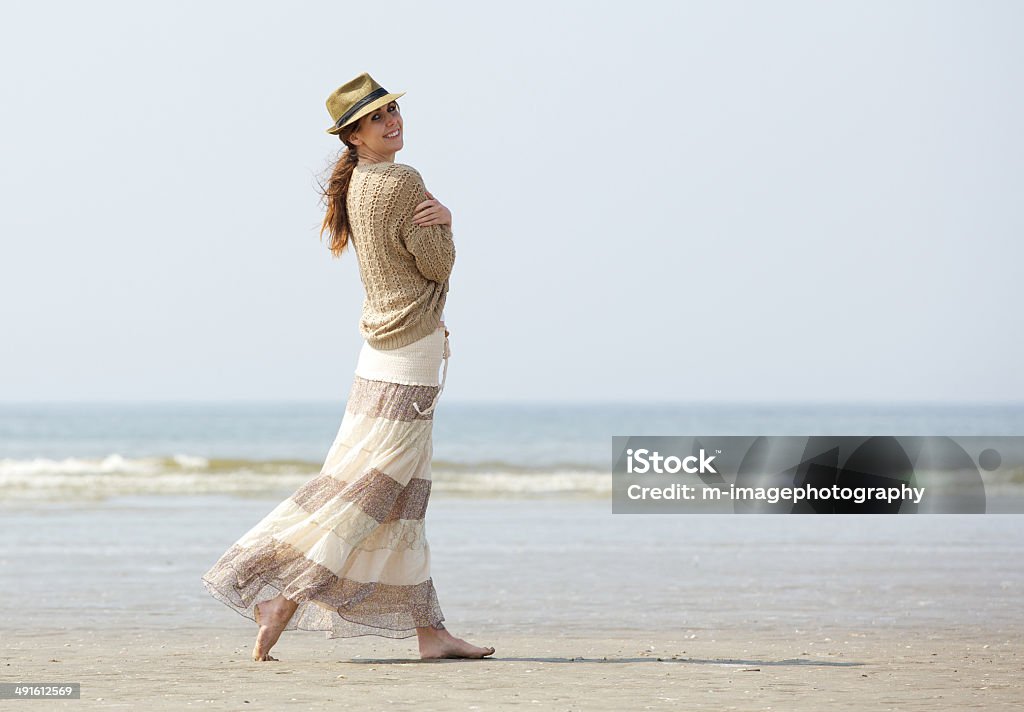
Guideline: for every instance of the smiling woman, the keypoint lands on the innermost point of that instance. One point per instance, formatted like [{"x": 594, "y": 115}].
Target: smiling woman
[{"x": 347, "y": 552}]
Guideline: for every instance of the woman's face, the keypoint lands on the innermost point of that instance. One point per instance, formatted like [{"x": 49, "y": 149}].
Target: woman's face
[{"x": 380, "y": 132}]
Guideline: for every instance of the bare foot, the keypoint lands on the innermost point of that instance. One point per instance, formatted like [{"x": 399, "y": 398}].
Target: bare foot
[
  {"x": 271, "y": 616},
  {"x": 439, "y": 643}
]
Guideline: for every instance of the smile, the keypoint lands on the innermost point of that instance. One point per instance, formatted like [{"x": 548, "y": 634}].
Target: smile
[{"x": 393, "y": 134}]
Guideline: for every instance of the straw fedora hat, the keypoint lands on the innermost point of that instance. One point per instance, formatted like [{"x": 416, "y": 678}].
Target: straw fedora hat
[{"x": 355, "y": 99}]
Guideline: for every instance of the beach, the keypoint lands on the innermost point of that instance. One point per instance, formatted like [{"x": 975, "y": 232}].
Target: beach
[
  {"x": 110, "y": 514},
  {"x": 587, "y": 610},
  {"x": 718, "y": 669}
]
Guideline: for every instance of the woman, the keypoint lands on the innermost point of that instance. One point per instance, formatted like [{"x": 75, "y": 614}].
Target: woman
[{"x": 347, "y": 552}]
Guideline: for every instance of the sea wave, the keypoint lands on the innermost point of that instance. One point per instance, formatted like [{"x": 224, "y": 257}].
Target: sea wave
[{"x": 97, "y": 478}]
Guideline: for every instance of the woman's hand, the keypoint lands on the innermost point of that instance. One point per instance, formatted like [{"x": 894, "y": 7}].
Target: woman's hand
[{"x": 431, "y": 212}]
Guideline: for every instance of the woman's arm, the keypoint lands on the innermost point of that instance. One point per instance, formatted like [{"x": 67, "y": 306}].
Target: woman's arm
[{"x": 431, "y": 245}]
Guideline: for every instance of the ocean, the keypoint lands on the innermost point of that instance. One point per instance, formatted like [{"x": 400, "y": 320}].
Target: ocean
[
  {"x": 93, "y": 451},
  {"x": 133, "y": 502}
]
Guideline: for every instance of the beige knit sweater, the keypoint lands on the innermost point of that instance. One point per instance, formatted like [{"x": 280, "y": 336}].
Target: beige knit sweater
[{"x": 404, "y": 267}]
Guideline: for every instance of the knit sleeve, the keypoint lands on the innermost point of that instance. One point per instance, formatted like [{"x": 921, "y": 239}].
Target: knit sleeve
[{"x": 431, "y": 245}]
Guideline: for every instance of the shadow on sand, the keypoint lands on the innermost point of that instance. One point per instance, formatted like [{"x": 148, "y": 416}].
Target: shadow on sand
[{"x": 801, "y": 662}]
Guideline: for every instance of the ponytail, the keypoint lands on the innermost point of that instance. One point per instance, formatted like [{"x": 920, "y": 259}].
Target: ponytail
[{"x": 335, "y": 195}]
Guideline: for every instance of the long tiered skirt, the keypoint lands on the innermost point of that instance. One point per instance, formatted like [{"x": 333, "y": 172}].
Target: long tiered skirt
[{"x": 350, "y": 546}]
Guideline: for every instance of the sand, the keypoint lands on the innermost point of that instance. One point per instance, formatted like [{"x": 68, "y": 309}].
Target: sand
[{"x": 784, "y": 669}]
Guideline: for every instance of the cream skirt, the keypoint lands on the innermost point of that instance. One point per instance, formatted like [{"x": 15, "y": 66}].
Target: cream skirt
[{"x": 350, "y": 545}]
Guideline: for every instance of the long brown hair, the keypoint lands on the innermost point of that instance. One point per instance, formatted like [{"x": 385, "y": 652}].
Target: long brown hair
[{"x": 335, "y": 194}]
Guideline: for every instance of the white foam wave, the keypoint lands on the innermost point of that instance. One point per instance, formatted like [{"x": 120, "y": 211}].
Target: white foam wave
[
  {"x": 191, "y": 461},
  {"x": 89, "y": 479},
  {"x": 78, "y": 465}
]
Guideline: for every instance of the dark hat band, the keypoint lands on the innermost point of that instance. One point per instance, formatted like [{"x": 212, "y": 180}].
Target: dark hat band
[{"x": 375, "y": 94}]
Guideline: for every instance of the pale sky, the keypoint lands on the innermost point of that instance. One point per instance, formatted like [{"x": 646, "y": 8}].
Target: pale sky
[{"x": 674, "y": 201}]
